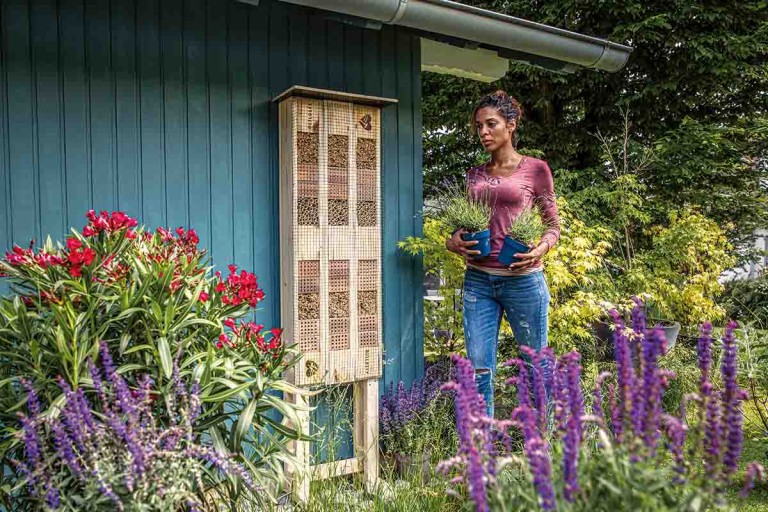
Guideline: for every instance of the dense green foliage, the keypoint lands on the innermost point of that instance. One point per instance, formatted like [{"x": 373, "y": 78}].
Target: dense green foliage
[{"x": 747, "y": 299}]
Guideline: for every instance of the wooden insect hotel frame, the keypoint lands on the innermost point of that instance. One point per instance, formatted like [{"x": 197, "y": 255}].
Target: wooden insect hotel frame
[{"x": 330, "y": 260}]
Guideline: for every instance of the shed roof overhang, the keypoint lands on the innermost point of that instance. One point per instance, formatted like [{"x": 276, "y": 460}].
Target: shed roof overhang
[{"x": 478, "y": 43}]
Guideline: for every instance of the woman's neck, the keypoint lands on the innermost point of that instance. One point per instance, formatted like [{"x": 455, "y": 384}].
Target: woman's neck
[{"x": 505, "y": 157}]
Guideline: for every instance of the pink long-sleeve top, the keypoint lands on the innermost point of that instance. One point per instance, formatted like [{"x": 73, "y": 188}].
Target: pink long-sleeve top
[{"x": 531, "y": 181}]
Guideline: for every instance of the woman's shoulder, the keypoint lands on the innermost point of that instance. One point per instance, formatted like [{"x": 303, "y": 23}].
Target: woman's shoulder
[{"x": 537, "y": 164}]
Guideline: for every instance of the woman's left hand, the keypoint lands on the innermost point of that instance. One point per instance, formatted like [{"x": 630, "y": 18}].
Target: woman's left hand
[{"x": 530, "y": 258}]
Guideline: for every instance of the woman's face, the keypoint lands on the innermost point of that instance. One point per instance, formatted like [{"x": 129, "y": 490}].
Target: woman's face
[{"x": 494, "y": 131}]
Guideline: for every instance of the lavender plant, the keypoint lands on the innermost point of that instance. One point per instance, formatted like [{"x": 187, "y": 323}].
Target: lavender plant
[
  {"x": 417, "y": 419},
  {"x": 457, "y": 207},
  {"x": 528, "y": 226},
  {"x": 118, "y": 456},
  {"x": 615, "y": 458}
]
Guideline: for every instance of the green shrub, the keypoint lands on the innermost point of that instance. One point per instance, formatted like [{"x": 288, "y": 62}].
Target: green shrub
[{"x": 747, "y": 299}]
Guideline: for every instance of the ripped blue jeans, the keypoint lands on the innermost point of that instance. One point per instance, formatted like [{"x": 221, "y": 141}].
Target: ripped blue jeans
[{"x": 523, "y": 299}]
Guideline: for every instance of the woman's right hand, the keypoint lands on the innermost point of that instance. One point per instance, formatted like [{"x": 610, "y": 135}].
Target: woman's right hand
[{"x": 461, "y": 247}]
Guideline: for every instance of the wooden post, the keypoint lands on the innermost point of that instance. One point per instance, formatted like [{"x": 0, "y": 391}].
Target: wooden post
[
  {"x": 367, "y": 430},
  {"x": 298, "y": 473}
]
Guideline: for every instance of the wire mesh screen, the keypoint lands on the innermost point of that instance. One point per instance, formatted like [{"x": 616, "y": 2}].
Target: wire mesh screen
[{"x": 330, "y": 196}]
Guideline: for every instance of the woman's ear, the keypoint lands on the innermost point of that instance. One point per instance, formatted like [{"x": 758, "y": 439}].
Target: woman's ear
[{"x": 512, "y": 125}]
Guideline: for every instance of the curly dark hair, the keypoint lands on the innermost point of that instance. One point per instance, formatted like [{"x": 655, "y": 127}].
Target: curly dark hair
[{"x": 504, "y": 104}]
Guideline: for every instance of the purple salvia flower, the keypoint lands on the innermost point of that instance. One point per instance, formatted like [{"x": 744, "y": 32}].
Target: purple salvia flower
[
  {"x": 194, "y": 403},
  {"x": 33, "y": 403},
  {"x": 731, "y": 399},
  {"x": 560, "y": 399},
  {"x": 537, "y": 453},
  {"x": 617, "y": 420},
  {"x": 638, "y": 316},
  {"x": 624, "y": 369},
  {"x": 655, "y": 382},
  {"x": 31, "y": 441},
  {"x": 51, "y": 496},
  {"x": 537, "y": 385},
  {"x": 755, "y": 472},
  {"x": 712, "y": 430},
  {"x": 573, "y": 435},
  {"x": 72, "y": 418},
  {"x": 597, "y": 402},
  {"x": 704, "y": 348},
  {"x": 676, "y": 434},
  {"x": 64, "y": 448},
  {"x": 470, "y": 406},
  {"x": 107, "y": 365}
]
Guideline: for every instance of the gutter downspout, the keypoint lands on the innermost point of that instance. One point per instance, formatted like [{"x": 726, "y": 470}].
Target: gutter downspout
[{"x": 490, "y": 28}]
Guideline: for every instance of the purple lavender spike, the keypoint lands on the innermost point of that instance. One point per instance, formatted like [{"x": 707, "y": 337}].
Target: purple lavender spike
[{"x": 732, "y": 398}]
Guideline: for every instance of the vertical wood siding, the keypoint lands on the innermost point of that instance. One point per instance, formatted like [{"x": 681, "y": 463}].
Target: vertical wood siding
[{"x": 161, "y": 109}]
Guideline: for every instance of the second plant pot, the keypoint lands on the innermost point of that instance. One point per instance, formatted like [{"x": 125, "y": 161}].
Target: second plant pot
[
  {"x": 511, "y": 247},
  {"x": 484, "y": 242}
]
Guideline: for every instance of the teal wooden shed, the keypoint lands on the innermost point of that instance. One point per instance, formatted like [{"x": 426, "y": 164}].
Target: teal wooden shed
[{"x": 162, "y": 108}]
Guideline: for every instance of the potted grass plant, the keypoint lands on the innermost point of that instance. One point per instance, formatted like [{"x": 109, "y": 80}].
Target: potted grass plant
[
  {"x": 524, "y": 230},
  {"x": 458, "y": 208}
]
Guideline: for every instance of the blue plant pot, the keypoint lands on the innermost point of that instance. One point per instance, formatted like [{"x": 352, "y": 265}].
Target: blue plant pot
[
  {"x": 509, "y": 249},
  {"x": 484, "y": 242}
]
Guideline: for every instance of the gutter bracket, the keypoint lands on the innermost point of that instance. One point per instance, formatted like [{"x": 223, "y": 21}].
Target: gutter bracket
[{"x": 399, "y": 12}]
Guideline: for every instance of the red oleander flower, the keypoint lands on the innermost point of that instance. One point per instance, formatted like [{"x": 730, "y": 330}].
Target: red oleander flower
[
  {"x": 192, "y": 237},
  {"x": 88, "y": 256},
  {"x": 76, "y": 271},
  {"x": 108, "y": 223},
  {"x": 73, "y": 243},
  {"x": 203, "y": 297}
]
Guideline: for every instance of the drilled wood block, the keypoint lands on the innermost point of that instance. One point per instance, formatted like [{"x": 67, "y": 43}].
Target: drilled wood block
[
  {"x": 368, "y": 323},
  {"x": 309, "y": 276},
  {"x": 367, "y": 177},
  {"x": 366, "y": 193},
  {"x": 309, "y": 336},
  {"x": 338, "y": 183},
  {"x": 369, "y": 338},
  {"x": 367, "y": 274},
  {"x": 338, "y": 325},
  {"x": 339, "y": 341}
]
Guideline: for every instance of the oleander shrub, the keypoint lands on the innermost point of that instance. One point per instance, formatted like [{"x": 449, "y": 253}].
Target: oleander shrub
[{"x": 147, "y": 295}]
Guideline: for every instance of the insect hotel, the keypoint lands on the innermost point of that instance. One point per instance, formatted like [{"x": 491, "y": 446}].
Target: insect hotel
[{"x": 330, "y": 254}]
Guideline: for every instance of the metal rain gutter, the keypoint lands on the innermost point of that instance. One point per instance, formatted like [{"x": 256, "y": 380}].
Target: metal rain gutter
[{"x": 489, "y": 28}]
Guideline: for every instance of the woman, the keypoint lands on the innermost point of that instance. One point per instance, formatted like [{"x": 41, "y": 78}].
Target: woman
[{"x": 512, "y": 182}]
